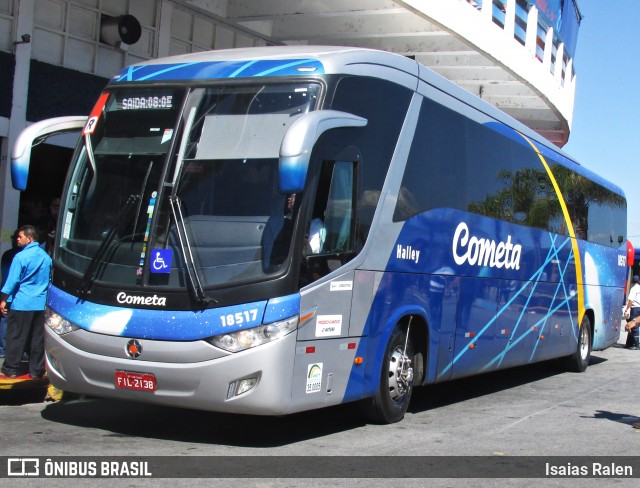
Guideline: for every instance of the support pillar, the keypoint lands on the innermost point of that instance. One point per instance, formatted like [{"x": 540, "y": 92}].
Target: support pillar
[{"x": 10, "y": 198}]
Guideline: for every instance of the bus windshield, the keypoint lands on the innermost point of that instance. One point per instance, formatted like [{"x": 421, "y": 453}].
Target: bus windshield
[{"x": 228, "y": 223}]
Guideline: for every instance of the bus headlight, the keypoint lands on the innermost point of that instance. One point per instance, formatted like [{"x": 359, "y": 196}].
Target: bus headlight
[
  {"x": 245, "y": 339},
  {"x": 56, "y": 323}
]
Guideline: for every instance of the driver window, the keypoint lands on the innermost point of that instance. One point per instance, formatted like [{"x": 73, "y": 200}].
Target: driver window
[
  {"x": 331, "y": 230},
  {"x": 339, "y": 211}
]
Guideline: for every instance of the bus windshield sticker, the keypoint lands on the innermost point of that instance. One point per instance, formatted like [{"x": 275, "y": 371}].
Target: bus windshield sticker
[
  {"x": 161, "y": 261},
  {"x": 150, "y": 209},
  {"x": 166, "y": 136}
]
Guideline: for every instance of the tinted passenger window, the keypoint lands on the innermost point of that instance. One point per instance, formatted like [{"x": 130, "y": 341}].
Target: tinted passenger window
[
  {"x": 597, "y": 213},
  {"x": 384, "y": 105},
  {"x": 455, "y": 162}
]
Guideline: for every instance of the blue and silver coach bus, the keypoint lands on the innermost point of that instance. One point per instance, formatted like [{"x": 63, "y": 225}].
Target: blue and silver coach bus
[{"x": 272, "y": 230}]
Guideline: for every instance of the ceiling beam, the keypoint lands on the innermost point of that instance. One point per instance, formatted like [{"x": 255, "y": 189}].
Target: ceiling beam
[{"x": 261, "y": 9}]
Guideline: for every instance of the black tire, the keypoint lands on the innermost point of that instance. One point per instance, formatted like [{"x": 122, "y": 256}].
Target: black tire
[
  {"x": 396, "y": 382},
  {"x": 579, "y": 360}
]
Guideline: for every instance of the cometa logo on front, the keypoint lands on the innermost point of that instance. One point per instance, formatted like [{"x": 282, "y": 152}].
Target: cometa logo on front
[{"x": 125, "y": 299}]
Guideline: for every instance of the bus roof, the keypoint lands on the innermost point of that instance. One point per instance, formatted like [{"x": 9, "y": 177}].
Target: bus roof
[{"x": 326, "y": 60}]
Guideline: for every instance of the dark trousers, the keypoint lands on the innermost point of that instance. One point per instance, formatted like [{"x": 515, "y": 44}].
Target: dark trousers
[
  {"x": 632, "y": 337},
  {"x": 25, "y": 331}
]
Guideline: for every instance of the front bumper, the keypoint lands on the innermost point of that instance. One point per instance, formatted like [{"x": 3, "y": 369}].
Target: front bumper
[{"x": 191, "y": 374}]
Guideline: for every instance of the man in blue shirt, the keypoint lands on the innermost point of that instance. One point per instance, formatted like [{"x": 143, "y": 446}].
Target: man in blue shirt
[{"x": 27, "y": 284}]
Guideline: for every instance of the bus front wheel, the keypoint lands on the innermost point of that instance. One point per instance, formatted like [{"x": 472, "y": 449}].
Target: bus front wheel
[
  {"x": 396, "y": 381},
  {"x": 579, "y": 360}
]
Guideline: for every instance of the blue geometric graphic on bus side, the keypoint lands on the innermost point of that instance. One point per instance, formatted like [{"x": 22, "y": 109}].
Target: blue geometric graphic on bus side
[
  {"x": 606, "y": 299},
  {"x": 423, "y": 252},
  {"x": 543, "y": 304},
  {"x": 538, "y": 327},
  {"x": 564, "y": 302},
  {"x": 162, "y": 324},
  {"x": 220, "y": 69}
]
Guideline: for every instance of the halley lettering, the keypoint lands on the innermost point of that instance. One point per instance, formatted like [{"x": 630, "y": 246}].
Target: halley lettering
[
  {"x": 483, "y": 252},
  {"x": 407, "y": 253},
  {"x": 123, "y": 298}
]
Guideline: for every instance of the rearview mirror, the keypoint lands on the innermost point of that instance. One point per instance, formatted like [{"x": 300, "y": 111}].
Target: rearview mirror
[
  {"x": 299, "y": 140},
  {"x": 35, "y": 134}
]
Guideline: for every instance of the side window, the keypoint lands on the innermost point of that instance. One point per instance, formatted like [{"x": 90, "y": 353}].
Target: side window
[
  {"x": 597, "y": 213},
  {"x": 331, "y": 227},
  {"x": 607, "y": 222},
  {"x": 455, "y": 162},
  {"x": 340, "y": 209},
  {"x": 535, "y": 202},
  {"x": 440, "y": 141},
  {"x": 384, "y": 104},
  {"x": 331, "y": 236}
]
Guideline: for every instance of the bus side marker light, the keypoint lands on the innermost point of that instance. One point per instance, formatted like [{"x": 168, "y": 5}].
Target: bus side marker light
[
  {"x": 310, "y": 349},
  {"x": 351, "y": 345},
  {"x": 504, "y": 331},
  {"x": 307, "y": 316},
  {"x": 541, "y": 337},
  {"x": 469, "y": 334},
  {"x": 358, "y": 361},
  {"x": 471, "y": 346}
]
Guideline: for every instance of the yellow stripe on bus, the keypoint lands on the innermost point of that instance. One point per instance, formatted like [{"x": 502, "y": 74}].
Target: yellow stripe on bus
[{"x": 572, "y": 234}]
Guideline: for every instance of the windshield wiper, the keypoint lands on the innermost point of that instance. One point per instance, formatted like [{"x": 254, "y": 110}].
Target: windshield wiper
[
  {"x": 89, "y": 274},
  {"x": 187, "y": 254}
]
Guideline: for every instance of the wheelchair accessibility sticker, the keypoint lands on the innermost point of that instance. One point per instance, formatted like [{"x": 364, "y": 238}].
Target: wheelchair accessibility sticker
[{"x": 161, "y": 260}]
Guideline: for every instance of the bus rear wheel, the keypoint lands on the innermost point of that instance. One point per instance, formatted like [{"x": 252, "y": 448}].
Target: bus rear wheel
[
  {"x": 396, "y": 381},
  {"x": 579, "y": 360}
]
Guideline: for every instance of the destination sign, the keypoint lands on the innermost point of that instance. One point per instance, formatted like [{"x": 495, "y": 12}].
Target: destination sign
[{"x": 146, "y": 103}]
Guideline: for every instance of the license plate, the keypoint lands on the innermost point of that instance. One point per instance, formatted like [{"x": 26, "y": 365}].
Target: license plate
[{"x": 135, "y": 381}]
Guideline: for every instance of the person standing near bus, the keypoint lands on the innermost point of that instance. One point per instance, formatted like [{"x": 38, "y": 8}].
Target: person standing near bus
[
  {"x": 27, "y": 284},
  {"x": 5, "y": 265},
  {"x": 633, "y": 307}
]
